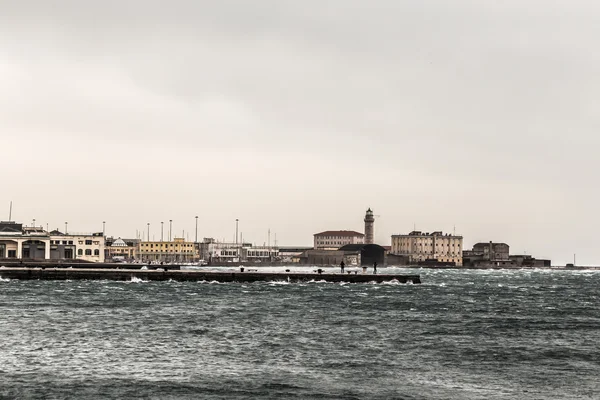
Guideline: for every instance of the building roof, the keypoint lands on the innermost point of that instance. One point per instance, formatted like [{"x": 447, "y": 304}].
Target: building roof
[
  {"x": 10, "y": 227},
  {"x": 360, "y": 247},
  {"x": 436, "y": 233},
  {"x": 119, "y": 243},
  {"x": 480, "y": 244},
  {"x": 339, "y": 233}
]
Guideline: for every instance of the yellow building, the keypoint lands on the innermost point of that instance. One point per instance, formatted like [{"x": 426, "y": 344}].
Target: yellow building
[
  {"x": 419, "y": 246},
  {"x": 176, "y": 251}
]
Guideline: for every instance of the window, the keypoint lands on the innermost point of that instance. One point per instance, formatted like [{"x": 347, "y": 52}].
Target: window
[
  {"x": 88, "y": 242},
  {"x": 88, "y": 252},
  {"x": 70, "y": 242},
  {"x": 79, "y": 252},
  {"x": 96, "y": 252}
]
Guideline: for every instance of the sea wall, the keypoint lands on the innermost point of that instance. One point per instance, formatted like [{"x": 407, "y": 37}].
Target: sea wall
[{"x": 187, "y": 275}]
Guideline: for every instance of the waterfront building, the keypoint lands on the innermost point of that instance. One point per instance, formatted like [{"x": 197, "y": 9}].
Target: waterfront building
[
  {"x": 333, "y": 240},
  {"x": 352, "y": 254},
  {"x": 213, "y": 251},
  {"x": 79, "y": 246},
  {"x": 35, "y": 243},
  {"x": 291, "y": 254},
  {"x": 491, "y": 251},
  {"x": 497, "y": 255},
  {"x": 177, "y": 250},
  {"x": 429, "y": 247},
  {"x": 121, "y": 250}
]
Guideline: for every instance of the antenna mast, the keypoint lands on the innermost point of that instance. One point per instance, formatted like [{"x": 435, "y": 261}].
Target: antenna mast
[{"x": 10, "y": 212}]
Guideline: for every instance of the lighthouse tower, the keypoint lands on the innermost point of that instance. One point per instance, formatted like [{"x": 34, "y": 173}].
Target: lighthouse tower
[{"x": 369, "y": 222}]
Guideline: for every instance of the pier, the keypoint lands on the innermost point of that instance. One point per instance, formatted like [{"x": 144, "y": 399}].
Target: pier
[{"x": 24, "y": 273}]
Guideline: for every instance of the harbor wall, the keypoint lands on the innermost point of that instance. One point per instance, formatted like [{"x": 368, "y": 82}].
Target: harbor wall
[{"x": 187, "y": 275}]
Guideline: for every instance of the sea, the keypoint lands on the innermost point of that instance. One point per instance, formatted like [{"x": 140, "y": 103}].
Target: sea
[{"x": 461, "y": 334}]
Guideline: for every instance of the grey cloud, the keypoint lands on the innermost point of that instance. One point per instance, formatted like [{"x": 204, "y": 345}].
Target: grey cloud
[{"x": 466, "y": 112}]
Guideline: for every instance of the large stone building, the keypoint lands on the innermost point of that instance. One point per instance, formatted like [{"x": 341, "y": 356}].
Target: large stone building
[
  {"x": 497, "y": 255},
  {"x": 177, "y": 250},
  {"x": 333, "y": 240},
  {"x": 17, "y": 242},
  {"x": 435, "y": 247},
  {"x": 492, "y": 251}
]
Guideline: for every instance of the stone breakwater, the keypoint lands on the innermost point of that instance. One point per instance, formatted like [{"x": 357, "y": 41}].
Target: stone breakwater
[{"x": 187, "y": 275}]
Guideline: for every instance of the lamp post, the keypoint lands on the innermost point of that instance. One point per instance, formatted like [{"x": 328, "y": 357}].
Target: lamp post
[
  {"x": 236, "y": 230},
  {"x": 66, "y": 227},
  {"x": 196, "y": 229},
  {"x": 148, "y": 232},
  {"x": 103, "y": 228},
  {"x": 34, "y": 222},
  {"x": 161, "y": 230},
  {"x": 170, "y": 228}
]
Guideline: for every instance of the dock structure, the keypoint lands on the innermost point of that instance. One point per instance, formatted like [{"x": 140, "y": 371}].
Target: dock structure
[{"x": 38, "y": 273}]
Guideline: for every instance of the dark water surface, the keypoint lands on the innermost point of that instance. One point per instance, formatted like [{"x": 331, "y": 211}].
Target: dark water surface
[{"x": 459, "y": 335}]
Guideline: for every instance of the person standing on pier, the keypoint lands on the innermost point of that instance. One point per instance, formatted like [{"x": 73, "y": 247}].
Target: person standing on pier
[
  {"x": 342, "y": 266},
  {"x": 375, "y": 267}
]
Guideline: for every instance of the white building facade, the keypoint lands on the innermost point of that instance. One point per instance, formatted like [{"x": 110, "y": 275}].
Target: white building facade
[
  {"x": 88, "y": 246},
  {"x": 21, "y": 243},
  {"x": 333, "y": 240},
  {"x": 215, "y": 251},
  {"x": 419, "y": 247}
]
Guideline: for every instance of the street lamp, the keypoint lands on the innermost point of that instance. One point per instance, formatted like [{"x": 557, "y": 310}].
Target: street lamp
[
  {"x": 196, "y": 229},
  {"x": 66, "y": 226},
  {"x": 103, "y": 228},
  {"x": 236, "y": 230},
  {"x": 148, "y": 232},
  {"x": 161, "y": 230},
  {"x": 170, "y": 228}
]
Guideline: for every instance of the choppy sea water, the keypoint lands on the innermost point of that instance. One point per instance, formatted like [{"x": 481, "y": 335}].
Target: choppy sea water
[{"x": 459, "y": 335}]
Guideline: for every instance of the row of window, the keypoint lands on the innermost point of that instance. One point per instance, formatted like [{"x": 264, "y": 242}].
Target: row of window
[
  {"x": 429, "y": 252},
  {"x": 87, "y": 242},
  {"x": 166, "y": 251},
  {"x": 429, "y": 244},
  {"x": 260, "y": 254},
  {"x": 88, "y": 252},
  {"x": 59, "y": 242},
  {"x": 151, "y": 245},
  {"x": 336, "y": 237}
]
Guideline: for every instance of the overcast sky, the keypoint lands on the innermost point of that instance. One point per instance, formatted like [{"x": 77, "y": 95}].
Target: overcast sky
[{"x": 296, "y": 116}]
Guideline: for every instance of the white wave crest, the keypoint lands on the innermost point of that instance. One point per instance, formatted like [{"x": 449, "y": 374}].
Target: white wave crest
[
  {"x": 135, "y": 279},
  {"x": 276, "y": 283},
  {"x": 4, "y": 279}
]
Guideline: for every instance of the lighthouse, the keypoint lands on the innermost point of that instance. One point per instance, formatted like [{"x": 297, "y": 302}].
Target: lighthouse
[{"x": 369, "y": 222}]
